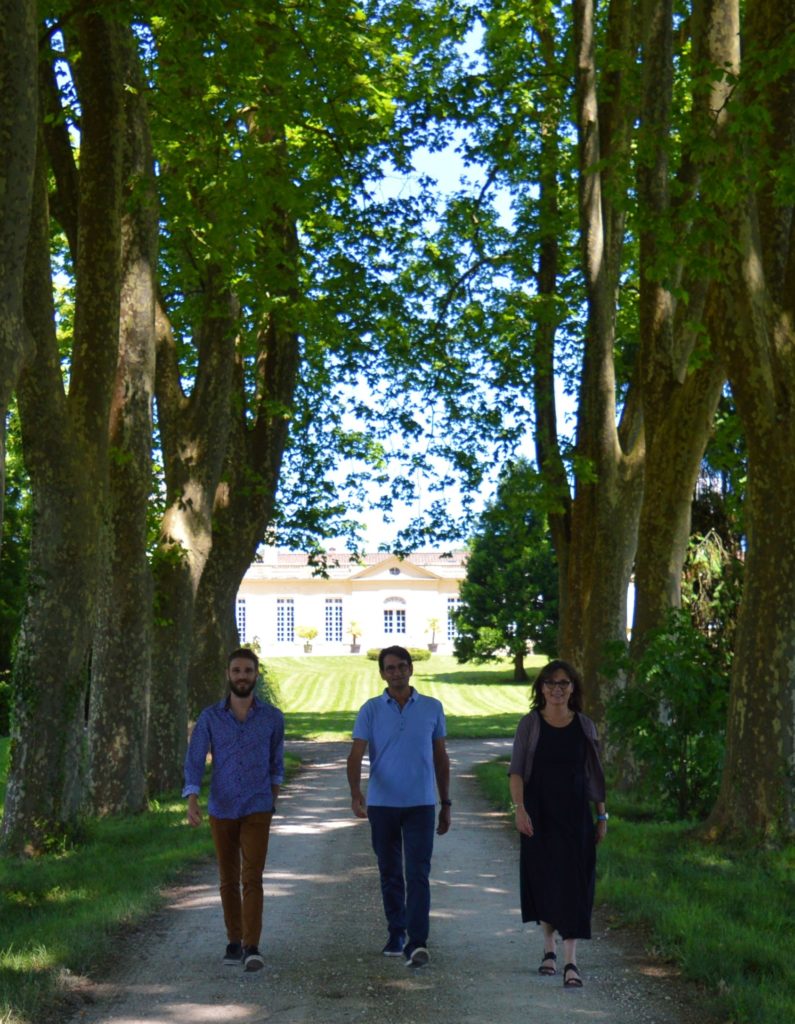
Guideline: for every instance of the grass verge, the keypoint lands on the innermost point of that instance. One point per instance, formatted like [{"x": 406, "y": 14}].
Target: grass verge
[
  {"x": 724, "y": 916},
  {"x": 61, "y": 911}
]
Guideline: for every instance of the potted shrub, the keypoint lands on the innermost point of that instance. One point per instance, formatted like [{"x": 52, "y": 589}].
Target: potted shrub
[
  {"x": 355, "y": 631},
  {"x": 307, "y": 634},
  {"x": 433, "y": 628}
]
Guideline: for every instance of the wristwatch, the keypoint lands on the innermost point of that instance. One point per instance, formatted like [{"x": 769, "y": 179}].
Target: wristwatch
[
  {"x": 446, "y": 803},
  {"x": 602, "y": 817}
]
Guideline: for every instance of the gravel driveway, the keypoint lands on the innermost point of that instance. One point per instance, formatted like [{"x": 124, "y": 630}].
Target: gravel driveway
[{"x": 324, "y": 929}]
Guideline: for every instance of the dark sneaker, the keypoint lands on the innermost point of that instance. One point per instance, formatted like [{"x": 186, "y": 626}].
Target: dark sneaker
[
  {"x": 394, "y": 946},
  {"x": 234, "y": 954},
  {"x": 252, "y": 959},
  {"x": 417, "y": 956}
]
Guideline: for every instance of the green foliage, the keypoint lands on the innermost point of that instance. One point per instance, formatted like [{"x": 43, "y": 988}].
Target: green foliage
[
  {"x": 509, "y": 597},
  {"x": 417, "y": 653},
  {"x": 15, "y": 545},
  {"x": 712, "y": 581},
  {"x": 670, "y": 720},
  {"x": 5, "y": 702}
]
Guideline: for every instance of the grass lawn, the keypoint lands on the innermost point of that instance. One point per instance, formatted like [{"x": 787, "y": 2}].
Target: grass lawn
[
  {"x": 320, "y": 696},
  {"x": 725, "y": 916}
]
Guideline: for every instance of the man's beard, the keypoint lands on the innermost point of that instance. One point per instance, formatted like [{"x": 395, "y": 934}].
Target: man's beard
[{"x": 242, "y": 689}]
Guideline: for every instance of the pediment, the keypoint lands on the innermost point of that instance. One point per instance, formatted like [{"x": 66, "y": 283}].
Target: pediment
[{"x": 385, "y": 570}]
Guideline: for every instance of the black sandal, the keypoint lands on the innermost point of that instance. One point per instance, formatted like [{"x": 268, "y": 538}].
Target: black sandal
[
  {"x": 545, "y": 968},
  {"x": 575, "y": 982}
]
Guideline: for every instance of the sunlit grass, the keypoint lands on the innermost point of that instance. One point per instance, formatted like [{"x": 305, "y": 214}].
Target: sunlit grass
[
  {"x": 725, "y": 916},
  {"x": 320, "y": 696}
]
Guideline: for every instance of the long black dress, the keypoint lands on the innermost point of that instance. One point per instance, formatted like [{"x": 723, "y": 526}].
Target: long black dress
[{"x": 558, "y": 863}]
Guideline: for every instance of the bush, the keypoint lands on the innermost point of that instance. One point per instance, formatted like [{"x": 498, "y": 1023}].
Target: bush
[
  {"x": 417, "y": 653},
  {"x": 671, "y": 719}
]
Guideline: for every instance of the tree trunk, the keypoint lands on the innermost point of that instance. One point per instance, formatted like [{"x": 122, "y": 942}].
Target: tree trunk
[
  {"x": 604, "y": 537},
  {"x": 18, "y": 119},
  {"x": 519, "y": 672},
  {"x": 194, "y": 433},
  {"x": 609, "y": 454},
  {"x": 65, "y": 447},
  {"x": 245, "y": 499},
  {"x": 757, "y": 795},
  {"x": 679, "y": 401},
  {"x": 551, "y": 226},
  {"x": 121, "y": 659},
  {"x": 244, "y": 503}
]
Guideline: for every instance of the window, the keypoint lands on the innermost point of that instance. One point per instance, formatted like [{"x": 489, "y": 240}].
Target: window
[
  {"x": 453, "y": 604},
  {"x": 394, "y": 571},
  {"x": 394, "y": 620},
  {"x": 334, "y": 619},
  {"x": 285, "y": 620},
  {"x": 240, "y": 619}
]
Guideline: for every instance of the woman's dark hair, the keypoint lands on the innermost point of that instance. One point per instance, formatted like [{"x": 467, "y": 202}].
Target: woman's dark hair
[{"x": 538, "y": 700}]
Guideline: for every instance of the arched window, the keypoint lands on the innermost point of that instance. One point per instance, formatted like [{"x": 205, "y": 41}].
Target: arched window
[{"x": 394, "y": 615}]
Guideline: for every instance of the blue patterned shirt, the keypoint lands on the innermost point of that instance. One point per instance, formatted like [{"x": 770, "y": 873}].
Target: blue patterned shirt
[{"x": 247, "y": 758}]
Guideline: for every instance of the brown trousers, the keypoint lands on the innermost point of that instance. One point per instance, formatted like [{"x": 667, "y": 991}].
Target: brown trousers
[{"x": 241, "y": 846}]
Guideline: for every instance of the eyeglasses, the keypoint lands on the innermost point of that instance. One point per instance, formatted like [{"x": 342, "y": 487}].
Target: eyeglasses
[{"x": 557, "y": 684}]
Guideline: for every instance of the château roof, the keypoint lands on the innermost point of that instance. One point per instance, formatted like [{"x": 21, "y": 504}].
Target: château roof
[{"x": 275, "y": 564}]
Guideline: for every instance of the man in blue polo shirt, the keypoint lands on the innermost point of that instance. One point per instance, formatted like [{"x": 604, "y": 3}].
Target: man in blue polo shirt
[
  {"x": 408, "y": 762},
  {"x": 245, "y": 736}
]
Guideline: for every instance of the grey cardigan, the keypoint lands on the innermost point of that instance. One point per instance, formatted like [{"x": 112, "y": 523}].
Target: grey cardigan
[{"x": 524, "y": 747}]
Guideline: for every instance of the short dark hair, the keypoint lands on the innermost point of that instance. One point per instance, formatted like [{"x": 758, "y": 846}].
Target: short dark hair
[
  {"x": 243, "y": 652},
  {"x": 395, "y": 651},
  {"x": 539, "y": 700}
]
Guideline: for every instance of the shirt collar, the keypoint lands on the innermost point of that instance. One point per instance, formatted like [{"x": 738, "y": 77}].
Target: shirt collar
[
  {"x": 392, "y": 700},
  {"x": 224, "y": 704}
]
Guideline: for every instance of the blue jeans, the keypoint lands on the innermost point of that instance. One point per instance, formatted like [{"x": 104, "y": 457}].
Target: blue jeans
[{"x": 398, "y": 834}]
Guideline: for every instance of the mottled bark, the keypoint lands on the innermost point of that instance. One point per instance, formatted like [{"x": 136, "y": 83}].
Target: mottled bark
[
  {"x": 45, "y": 777},
  {"x": 609, "y": 451},
  {"x": 18, "y": 110},
  {"x": 244, "y": 505},
  {"x": 65, "y": 445},
  {"x": 194, "y": 432},
  {"x": 246, "y": 495},
  {"x": 757, "y": 795},
  {"x": 122, "y": 652},
  {"x": 679, "y": 400}
]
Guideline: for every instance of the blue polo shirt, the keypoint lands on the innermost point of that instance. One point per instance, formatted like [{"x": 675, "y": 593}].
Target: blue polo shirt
[
  {"x": 248, "y": 758},
  {"x": 400, "y": 748}
]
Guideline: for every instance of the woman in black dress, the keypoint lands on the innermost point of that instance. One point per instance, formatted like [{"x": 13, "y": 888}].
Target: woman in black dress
[{"x": 555, "y": 773}]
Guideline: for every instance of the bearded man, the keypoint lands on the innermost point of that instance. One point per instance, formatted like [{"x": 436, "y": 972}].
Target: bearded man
[{"x": 245, "y": 736}]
